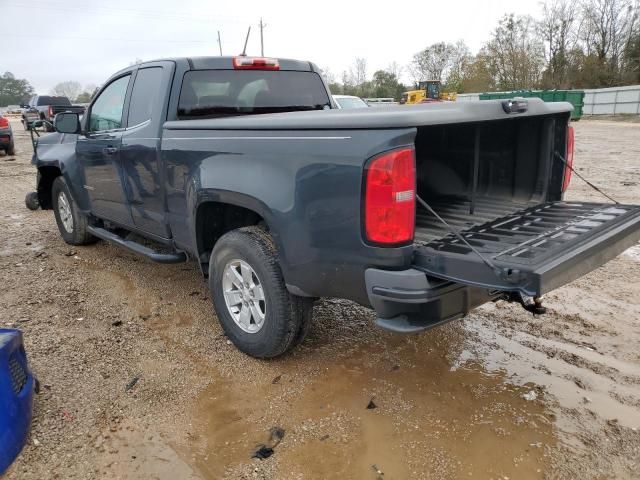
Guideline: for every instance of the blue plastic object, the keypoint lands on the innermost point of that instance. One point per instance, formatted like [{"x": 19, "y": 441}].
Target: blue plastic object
[{"x": 16, "y": 396}]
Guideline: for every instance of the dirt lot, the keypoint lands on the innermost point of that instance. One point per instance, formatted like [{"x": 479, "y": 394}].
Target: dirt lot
[{"x": 138, "y": 380}]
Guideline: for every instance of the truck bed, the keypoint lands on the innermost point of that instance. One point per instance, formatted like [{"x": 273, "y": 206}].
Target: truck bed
[{"x": 456, "y": 211}]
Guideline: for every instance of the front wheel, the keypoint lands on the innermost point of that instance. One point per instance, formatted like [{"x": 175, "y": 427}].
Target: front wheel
[
  {"x": 71, "y": 222},
  {"x": 253, "y": 305},
  {"x": 31, "y": 201}
]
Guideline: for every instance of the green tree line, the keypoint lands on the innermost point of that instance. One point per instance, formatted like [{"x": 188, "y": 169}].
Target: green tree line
[
  {"x": 585, "y": 44},
  {"x": 18, "y": 91}
]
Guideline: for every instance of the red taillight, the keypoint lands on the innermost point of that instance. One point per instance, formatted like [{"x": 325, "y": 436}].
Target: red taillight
[
  {"x": 389, "y": 198},
  {"x": 569, "y": 159},
  {"x": 255, "y": 63},
  {"x": 51, "y": 112},
  {"x": 4, "y": 122}
]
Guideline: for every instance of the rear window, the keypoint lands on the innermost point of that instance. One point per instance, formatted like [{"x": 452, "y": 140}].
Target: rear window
[
  {"x": 144, "y": 95},
  {"x": 218, "y": 93},
  {"x": 61, "y": 101}
]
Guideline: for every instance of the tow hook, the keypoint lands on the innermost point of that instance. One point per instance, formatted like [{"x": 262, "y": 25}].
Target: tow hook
[{"x": 530, "y": 304}]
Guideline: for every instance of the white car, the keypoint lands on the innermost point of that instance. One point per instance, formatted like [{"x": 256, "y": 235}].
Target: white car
[{"x": 349, "y": 101}]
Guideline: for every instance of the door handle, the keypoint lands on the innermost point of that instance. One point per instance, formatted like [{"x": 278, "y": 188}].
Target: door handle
[{"x": 110, "y": 150}]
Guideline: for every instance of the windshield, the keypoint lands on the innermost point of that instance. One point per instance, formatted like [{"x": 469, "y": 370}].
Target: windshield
[
  {"x": 62, "y": 101},
  {"x": 217, "y": 93},
  {"x": 351, "y": 102}
]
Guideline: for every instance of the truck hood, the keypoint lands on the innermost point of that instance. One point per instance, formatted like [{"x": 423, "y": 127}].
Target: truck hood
[{"x": 372, "y": 118}]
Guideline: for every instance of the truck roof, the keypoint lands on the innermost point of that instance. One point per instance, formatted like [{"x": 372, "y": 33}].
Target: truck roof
[{"x": 226, "y": 63}]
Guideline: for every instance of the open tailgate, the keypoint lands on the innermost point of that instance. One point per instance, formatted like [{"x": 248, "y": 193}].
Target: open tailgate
[{"x": 534, "y": 250}]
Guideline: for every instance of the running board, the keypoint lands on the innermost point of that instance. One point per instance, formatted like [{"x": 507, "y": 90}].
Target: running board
[{"x": 176, "y": 257}]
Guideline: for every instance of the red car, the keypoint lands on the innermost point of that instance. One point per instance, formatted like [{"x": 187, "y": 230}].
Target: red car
[{"x": 6, "y": 136}]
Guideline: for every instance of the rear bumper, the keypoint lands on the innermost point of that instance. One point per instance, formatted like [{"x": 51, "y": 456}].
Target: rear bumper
[
  {"x": 408, "y": 301},
  {"x": 31, "y": 117}
]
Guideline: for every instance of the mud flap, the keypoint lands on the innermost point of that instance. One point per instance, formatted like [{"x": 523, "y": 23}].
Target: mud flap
[{"x": 534, "y": 250}]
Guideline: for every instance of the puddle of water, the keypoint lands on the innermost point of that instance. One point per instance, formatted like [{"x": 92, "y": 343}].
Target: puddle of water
[
  {"x": 132, "y": 453},
  {"x": 558, "y": 376},
  {"x": 435, "y": 418},
  {"x": 224, "y": 436}
]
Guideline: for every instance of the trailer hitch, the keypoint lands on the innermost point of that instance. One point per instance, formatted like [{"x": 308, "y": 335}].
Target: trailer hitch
[{"x": 530, "y": 304}]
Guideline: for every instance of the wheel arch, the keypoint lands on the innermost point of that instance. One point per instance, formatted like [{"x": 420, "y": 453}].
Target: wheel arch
[
  {"x": 218, "y": 212},
  {"x": 46, "y": 176}
]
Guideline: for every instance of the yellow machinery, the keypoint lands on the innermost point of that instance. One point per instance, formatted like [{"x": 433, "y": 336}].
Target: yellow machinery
[{"x": 428, "y": 91}]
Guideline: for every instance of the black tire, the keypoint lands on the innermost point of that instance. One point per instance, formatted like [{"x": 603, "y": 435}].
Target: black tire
[
  {"x": 78, "y": 234},
  {"x": 11, "y": 150},
  {"x": 287, "y": 317},
  {"x": 31, "y": 201}
]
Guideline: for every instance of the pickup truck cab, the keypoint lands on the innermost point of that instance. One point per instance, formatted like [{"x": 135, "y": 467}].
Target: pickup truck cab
[{"x": 245, "y": 165}]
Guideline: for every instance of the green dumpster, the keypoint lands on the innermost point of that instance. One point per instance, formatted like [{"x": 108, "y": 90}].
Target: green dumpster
[{"x": 574, "y": 97}]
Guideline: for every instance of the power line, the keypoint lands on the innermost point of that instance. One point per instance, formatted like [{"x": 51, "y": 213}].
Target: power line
[
  {"x": 123, "y": 13},
  {"x": 102, "y": 38}
]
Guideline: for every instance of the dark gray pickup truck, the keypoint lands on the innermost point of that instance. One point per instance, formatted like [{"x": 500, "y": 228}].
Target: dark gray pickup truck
[
  {"x": 45, "y": 107},
  {"x": 243, "y": 164}
]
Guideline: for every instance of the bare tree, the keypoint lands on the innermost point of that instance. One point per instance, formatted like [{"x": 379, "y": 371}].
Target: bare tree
[
  {"x": 432, "y": 62},
  {"x": 558, "y": 29},
  {"x": 395, "y": 69},
  {"x": 608, "y": 29},
  {"x": 359, "y": 71},
  {"x": 514, "y": 54},
  {"x": 328, "y": 75},
  {"x": 459, "y": 61},
  {"x": 69, "y": 89}
]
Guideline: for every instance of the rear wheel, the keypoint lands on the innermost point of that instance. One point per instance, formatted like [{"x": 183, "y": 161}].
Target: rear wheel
[
  {"x": 253, "y": 305},
  {"x": 11, "y": 149},
  {"x": 71, "y": 222}
]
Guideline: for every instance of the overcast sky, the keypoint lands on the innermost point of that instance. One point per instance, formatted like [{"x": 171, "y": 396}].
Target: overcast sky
[{"x": 50, "y": 41}]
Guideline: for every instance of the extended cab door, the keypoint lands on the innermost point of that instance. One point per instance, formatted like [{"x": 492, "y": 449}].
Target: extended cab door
[
  {"x": 98, "y": 152},
  {"x": 139, "y": 154}
]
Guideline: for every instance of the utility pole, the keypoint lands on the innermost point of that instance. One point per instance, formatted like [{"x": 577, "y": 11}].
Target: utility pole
[
  {"x": 219, "y": 43},
  {"x": 262, "y": 25}
]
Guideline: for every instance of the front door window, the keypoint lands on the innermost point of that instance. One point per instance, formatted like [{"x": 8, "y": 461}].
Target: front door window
[{"x": 106, "y": 112}]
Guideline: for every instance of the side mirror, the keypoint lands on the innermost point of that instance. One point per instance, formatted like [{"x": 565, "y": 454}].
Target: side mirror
[{"x": 67, "y": 122}]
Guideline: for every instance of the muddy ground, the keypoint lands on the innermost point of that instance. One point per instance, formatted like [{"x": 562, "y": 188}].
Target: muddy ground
[{"x": 138, "y": 380}]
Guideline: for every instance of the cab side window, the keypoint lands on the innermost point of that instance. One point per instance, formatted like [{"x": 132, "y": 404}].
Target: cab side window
[
  {"x": 106, "y": 112},
  {"x": 145, "y": 94}
]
